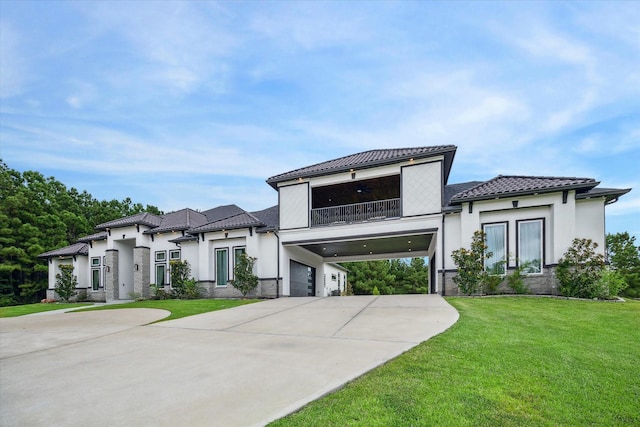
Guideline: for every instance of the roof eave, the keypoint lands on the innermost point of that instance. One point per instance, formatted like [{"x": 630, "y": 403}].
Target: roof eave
[
  {"x": 456, "y": 201},
  {"x": 274, "y": 181}
]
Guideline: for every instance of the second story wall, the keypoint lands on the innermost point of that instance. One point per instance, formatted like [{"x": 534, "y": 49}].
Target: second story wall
[
  {"x": 294, "y": 206},
  {"x": 422, "y": 189}
]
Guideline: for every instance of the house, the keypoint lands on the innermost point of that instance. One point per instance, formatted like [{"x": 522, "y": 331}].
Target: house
[{"x": 379, "y": 204}]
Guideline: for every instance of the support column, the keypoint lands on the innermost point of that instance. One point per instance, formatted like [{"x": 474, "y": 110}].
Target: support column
[
  {"x": 111, "y": 281},
  {"x": 142, "y": 271}
]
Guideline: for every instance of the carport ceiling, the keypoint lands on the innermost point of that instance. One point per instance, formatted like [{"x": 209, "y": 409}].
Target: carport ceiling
[{"x": 372, "y": 246}]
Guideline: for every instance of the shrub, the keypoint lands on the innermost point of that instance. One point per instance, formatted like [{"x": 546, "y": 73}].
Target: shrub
[
  {"x": 158, "y": 293},
  {"x": 610, "y": 284},
  {"x": 516, "y": 280},
  {"x": 192, "y": 289},
  {"x": 83, "y": 296},
  {"x": 66, "y": 282},
  {"x": 580, "y": 269},
  {"x": 7, "y": 300},
  {"x": 375, "y": 291}
]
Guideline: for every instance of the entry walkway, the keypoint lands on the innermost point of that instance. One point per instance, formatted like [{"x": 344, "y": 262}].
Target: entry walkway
[{"x": 240, "y": 367}]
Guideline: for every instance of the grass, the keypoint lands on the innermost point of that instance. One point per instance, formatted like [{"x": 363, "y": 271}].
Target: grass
[
  {"x": 506, "y": 362},
  {"x": 178, "y": 308},
  {"x": 21, "y": 310}
]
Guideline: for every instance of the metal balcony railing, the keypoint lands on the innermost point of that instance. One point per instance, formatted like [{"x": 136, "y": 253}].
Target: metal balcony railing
[{"x": 357, "y": 212}]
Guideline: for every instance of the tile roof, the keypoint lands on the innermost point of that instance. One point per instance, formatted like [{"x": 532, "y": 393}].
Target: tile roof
[
  {"x": 143, "y": 218},
  {"x": 503, "y": 186},
  {"x": 242, "y": 220},
  {"x": 79, "y": 248},
  {"x": 184, "y": 219},
  {"x": 367, "y": 159},
  {"x": 269, "y": 217},
  {"x": 222, "y": 212},
  {"x": 453, "y": 189},
  {"x": 101, "y": 235}
]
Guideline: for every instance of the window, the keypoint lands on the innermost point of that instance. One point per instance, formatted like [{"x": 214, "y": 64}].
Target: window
[
  {"x": 161, "y": 275},
  {"x": 222, "y": 267},
  {"x": 95, "y": 262},
  {"x": 530, "y": 246},
  {"x": 95, "y": 278},
  {"x": 161, "y": 256},
  {"x": 496, "y": 240},
  {"x": 237, "y": 252},
  {"x": 334, "y": 278},
  {"x": 174, "y": 255}
]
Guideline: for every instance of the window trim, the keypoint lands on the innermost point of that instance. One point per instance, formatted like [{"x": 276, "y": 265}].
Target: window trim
[
  {"x": 161, "y": 256},
  {"x": 541, "y": 220},
  {"x": 505, "y": 224},
  {"x": 235, "y": 258},
  {"x": 164, "y": 266},
  {"x": 173, "y": 258},
  {"x": 226, "y": 251}
]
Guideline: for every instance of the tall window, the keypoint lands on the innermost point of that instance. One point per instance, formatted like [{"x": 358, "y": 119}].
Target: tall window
[
  {"x": 530, "y": 245},
  {"x": 161, "y": 275},
  {"x": 222, "y": 267},
  {"x": 95, "y": 279},
  {"x": 496, "y": 239}
]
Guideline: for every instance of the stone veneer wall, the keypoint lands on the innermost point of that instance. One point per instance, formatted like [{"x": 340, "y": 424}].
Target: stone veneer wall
[
  {"x": 541, "y": 284},
  {"x": 95, "y": 296},
  {"x": 142, "y": 276},
  {"x": 111, "y": 285},
  {"x": 266, "y": 289}
]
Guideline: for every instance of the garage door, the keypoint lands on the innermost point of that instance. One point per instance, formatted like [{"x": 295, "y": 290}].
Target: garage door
[{"x": 302, "y": 280}]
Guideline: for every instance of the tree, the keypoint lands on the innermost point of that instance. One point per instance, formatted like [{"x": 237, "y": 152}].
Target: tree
[
  {"x": 244, "y": 279},
  {"x": 580, "y": 269},
  {"x": 66, "y": 282},
  {"x": 39, "y": 214},
  {"x": 624, "y": 257},
  {"x": 471, "y": 276}
]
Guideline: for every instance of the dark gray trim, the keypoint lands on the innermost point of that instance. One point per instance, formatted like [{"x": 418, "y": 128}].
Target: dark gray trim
[{"x": 361, "y": 237}]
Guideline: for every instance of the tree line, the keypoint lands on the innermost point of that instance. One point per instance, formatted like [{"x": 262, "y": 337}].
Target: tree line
[
  {"x": 393, "y": 276},
  {"x": 39, "y": 214}
]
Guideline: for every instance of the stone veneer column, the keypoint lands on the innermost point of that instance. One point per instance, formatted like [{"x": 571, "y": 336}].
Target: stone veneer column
[
  {"x": 141, "y": 276},
  {"x": 111, "y": 282}
]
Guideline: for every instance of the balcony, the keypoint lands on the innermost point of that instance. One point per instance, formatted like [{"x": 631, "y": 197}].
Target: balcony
[{"x": 358, "y": 212}]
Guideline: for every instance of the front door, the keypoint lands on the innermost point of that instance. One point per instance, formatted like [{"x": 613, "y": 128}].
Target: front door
[{"x": 302, "y": 280}]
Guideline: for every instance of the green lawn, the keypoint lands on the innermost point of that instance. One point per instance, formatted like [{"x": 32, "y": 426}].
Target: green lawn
[
  {"x": 507, "y": 362},
  {"x": 179, "y": 308},
  {"x": 21, "y": 310}
]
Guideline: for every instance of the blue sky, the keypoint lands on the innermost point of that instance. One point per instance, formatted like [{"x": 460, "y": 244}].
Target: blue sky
[{"x": 195, "y": 104}]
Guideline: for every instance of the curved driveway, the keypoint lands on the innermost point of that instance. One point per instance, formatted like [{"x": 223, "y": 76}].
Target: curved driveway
[{"x": 239, "y": 367}]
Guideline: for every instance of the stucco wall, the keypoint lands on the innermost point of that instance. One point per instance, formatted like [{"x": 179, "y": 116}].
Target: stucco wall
[
  {"x": 294, "y": 206},
  {"x": 422, "y": 189}
]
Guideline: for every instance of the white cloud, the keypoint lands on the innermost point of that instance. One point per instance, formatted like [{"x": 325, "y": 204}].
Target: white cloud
[
  {"x": 183, "y": 46},
  {"x": 310, "y": 25},
  {"x": 14, "y": 66}
]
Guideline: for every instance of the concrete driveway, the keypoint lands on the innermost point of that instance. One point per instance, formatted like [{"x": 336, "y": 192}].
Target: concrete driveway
[{"x": 239, "y": 367}]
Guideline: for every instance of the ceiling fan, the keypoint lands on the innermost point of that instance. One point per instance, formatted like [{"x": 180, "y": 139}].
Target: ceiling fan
[{"x": 362, "y": 188}]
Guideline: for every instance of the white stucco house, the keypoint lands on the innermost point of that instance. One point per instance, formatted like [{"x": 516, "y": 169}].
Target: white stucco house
[{"x": 379, "y": 204}]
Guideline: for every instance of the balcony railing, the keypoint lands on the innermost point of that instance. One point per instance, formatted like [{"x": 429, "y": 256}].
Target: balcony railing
[{"x": 358, "y": 212}]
